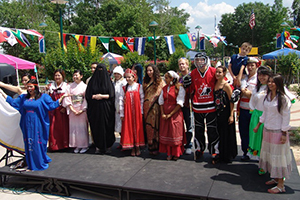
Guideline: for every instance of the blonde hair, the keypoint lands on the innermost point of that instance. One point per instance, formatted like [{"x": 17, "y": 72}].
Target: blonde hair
[
  {"x": 184, "y": 60},
  {"x": 247, "y": 45}
]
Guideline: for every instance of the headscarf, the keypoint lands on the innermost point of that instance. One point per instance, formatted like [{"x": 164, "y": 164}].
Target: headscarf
[
  {"x": 131, "y": 72},
  {"x": 118, "y": 69},
  {"x": 100, "y": 83},
  {"x": 173, "y": 74}
]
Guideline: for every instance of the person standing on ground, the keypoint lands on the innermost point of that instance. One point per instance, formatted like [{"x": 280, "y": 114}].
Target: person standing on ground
[
  {"x": 275, "y": 155},
  {"x": 152, "y": 86},
  {"x": 100, "y": 96},
  {"x": 184, "y": 74}
]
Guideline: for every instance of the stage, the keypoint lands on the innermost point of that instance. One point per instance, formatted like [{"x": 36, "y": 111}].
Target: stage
[{"x": 121, "y": 176}]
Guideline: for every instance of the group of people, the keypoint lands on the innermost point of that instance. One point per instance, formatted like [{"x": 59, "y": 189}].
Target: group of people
[{"x": 158, "y": 112}]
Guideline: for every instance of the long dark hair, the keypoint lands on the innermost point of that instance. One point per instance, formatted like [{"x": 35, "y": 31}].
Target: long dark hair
[
  {"x": 265, "y": 71},
  {"x": 281, "y": 100},
  {"x": 37, "y": 92},
  {"x": 156, "y": 76},
  {"x": 139, "y": 68},
  {"x": 174, "y": 82}
]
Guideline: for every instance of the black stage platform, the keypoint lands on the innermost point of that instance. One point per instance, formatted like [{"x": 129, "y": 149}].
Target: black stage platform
[{"x": 121, "y": 176}]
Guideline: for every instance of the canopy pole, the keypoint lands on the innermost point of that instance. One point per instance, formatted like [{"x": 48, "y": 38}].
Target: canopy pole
[{"x": 17, "y": 69}]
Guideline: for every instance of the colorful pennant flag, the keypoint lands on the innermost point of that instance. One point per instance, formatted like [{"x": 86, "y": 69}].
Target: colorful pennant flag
[
  {"x": 252, "y": 20},
  {"x": 9, "y": 36},
  {"x": 129, "y": 41},
  {"x": 152, "y": 38},
  {"x": 170, "y": 43},
  {"x": 185, "y": 40},
  {"x": 21, "y": 38},
  {"x": 64, "y": 41},
  {"x": 119, "y": 41},
  {"x": 42, "y": 45},
  {"x": 79, "y": 40},
  {"x": 193, "y": 40},
  {"x": 31, "y": 32},
  {"x": 139, "y": 45},
  {"x": 87, "y": 40},
  {"x": 105, "y": 42},
  {"x": 93, "y": 42}
]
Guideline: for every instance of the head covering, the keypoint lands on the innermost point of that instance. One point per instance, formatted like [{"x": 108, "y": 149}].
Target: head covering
[
  {"x": 118, "y": 69},
  {"x": 254, "y": 60},
  {"x": 100, "y": 83},
  {"x": 129, "y": 71},
  {"x": 173, "y": 74}
]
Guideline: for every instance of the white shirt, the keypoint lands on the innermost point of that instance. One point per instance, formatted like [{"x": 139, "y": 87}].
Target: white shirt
[
  {"x": 257, "y": 98},
  {"x": 272, "y": 119},
  {"x": 250, "y": 84},
  {"x": 118, "y": 88},
  {"x": 132, "y": 87},
  {"x": 179, "y": 98}
]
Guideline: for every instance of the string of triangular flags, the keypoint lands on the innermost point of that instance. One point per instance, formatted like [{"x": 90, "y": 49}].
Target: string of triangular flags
[{"x": 14, "y": 36}]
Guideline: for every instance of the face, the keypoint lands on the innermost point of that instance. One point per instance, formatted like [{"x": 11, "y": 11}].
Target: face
[
  {"x": 25, "y": 79},
  {"x": 168, "y": 79},
  {"x": 30, "y": 89},
  {"x": 183, "y": 66},
  {"x": 129, "y": 78},
  {"x": 93, "y": 67},
  {"x": 219, "y": 73},
  {"x": 117, "y": 76},
  {"x": 134, "y": 70},
  {"x": 150, "y": 71},
  {"x": 58, "y": 78},
  {"x": 263, "y": 78},
  {"x": 77, "y": 77},
  {"x": 244, "y": 51},
  {"x": 271, "y": 84},
  {"x": 200, "y": 62},
  {"x": 251, "y": 67}
]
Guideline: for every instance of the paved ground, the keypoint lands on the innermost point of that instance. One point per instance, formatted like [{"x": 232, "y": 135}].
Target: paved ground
[{"x": 18, "y": 194}]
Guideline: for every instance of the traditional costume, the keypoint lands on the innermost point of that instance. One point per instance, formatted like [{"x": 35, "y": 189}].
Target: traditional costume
[{"x": 101, "y": 113}]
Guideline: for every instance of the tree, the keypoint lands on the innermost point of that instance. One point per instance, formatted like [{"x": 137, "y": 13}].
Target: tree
[{"x": 288, "y": 66}]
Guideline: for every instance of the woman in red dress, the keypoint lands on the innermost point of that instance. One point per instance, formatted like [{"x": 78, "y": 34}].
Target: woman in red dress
[
  {"x": 131, "y": 110},
  {"x": 171, "y": 132}
]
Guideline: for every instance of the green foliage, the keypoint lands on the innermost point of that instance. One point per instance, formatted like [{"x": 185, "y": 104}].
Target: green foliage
[
  {"x": 173, "y": 61},
  {"x": 73, "y": 59},
  {"x": 295, "y": 136},
  {"x": 288, "y": 66},
  {"x": 296, "y": 89},
  {"x": 131, "y": 58}
]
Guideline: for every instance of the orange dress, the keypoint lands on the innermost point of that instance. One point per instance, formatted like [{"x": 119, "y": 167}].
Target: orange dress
[{"x": 132, "y": 126}]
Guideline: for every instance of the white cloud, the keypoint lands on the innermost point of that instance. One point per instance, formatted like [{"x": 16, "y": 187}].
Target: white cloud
[{"x": 204, "y": 15}]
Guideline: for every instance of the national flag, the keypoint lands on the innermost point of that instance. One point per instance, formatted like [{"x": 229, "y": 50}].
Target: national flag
[
  {"x": 119, "y": 41},
  {"x": 31, "y": 32},
  {"x": 9, "y": 36},
  {"x": 295, "y": 38},
  {"x": 139, "y": 45},
  {"x": 170, "y": 43},
  {"x": 152, "y": 38},
  {"x": 193, "y": 40},
  {"x": 64, "y": 41},
  {"x": 79, "y": 40},
  {"x": 41, "y": 39},
  {"x": 214, "y": 41},
  {"x": 87, "y": 40},
  {"x": 42, "y": 45},
  {"x": 130, "y": 41},
  {"x": 2, "y": 38},
  {"x": 93, "y": 43},
  {"x": 290, "y": 44},
  {"x": 185, "y": 40},
  {"x": 252, "y": 20},
  {"x": 202, "y": 43},
  {"x": 21, "y": 38},
  {"x": 105, "y": 42}
]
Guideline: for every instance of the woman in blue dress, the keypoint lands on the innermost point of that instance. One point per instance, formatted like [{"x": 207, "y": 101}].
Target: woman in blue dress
[{"x": 34, "y": 123}]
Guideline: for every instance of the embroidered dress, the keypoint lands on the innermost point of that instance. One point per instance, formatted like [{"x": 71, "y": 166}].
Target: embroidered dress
[
  {"x": 131, "y": 108},
  {"x": 256, "y": 105},
  {"x": 35, "y": 128},
  {"x": 171, "y": 131},
  {"x": 78, "y": 124},
  {"x": 152, "y": 114},
  {"x": 59, "y": 120},
  {"x": 227, "y": 144},
  {"x": 275, "y": 157}
]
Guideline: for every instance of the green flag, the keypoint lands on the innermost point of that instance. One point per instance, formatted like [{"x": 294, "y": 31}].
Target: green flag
[{"x": 185, "y": 40}]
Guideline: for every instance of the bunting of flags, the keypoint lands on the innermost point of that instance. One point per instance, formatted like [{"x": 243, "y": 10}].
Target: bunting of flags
[
  {"x": 105, "y": 42},
  {"x": 285, "y": 38},
  {"x": 139, "y": 45},
  {"x": 170, "y": 43}
]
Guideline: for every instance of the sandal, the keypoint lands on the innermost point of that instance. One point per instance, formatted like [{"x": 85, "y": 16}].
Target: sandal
[
  {"x": 271, "y": 182},
  {"x": 175, "y": 158},
  {"x": 276, "y": 190}
]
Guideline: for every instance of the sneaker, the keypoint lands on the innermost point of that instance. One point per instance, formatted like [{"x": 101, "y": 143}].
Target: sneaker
[
  {"x": 188, "y": 151},
  {"x": 245, "y": 158},
  {"x": 235, "y": 95},
  {"x": 83, "y": 150},
  {"x": 76, "y": 150}
]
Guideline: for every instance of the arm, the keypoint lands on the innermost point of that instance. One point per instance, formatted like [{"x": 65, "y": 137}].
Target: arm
[
  {"x": 239, "y": 76},
  {"x": 230, "y": 71},
  {"x": 121, "y": 103},
  {"x": 12, "y": 88},
  {"x": 257, "y": 127},
  {"x": 142, "y": 97},
  {"x": 3, "y": 94},
  {"x": 173, "y": 111},
  {"x": 228, "y": 91},
  {"x": 100, "y": 96}
]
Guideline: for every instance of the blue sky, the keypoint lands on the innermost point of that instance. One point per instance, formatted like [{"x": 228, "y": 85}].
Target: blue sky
[{"x": 203, "y": 12}]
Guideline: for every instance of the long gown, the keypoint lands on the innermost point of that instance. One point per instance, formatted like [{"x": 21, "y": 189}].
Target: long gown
[
  {"x": 78, "y": 124},
  {"x": 131, "y": 109},
  {"x": 59, "y": 121},
  {"x": 35, "y": 127},
  {"x": 118, "y": 87},
  {"x": 227, "y": 143},
  {"x": 152, "y": 115},
  {"x": 171, "y": 131},
  {"x": 101, "y": 113}
]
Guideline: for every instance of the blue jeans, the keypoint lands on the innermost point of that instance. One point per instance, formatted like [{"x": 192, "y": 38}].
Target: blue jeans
[
  {"x": 187, "y": 119},
  {"x": 244, "y": 122}
]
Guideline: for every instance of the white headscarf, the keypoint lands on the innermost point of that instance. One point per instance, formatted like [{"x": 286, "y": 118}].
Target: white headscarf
[
  {"x": 173, "y": 74},
  {"x": 118, "y": 69}
]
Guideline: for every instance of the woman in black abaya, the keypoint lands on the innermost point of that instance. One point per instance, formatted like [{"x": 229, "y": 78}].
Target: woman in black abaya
[{"x": 100, "y": 96}]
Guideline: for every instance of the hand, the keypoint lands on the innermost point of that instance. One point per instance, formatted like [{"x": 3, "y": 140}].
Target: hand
[
  {"x": 79, "y": 112},
  {"x": 122, "y": 118},
  {"x": 164, "y": 116},
  {"x": 283, "y": 139},
  {"x": 255, "y": 129},
  {"x": 230, "y": 120},
  {"x": 97, "y": 96},
  {"x": 63, "y": 110}
]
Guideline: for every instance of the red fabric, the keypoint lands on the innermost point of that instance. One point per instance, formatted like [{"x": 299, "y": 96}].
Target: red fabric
[
  {"x": 171, "y": 131},
  {"x": 132, "y": 126},
  {"x": 59, "y": 127}
]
